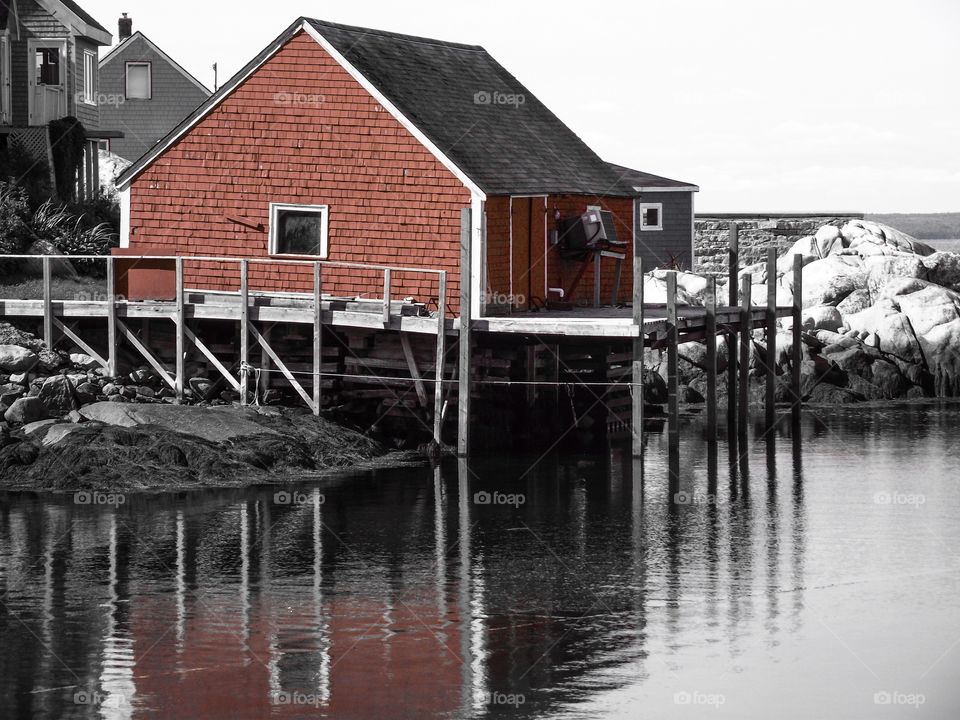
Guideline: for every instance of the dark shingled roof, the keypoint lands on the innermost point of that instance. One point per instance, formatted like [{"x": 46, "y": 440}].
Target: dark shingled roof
[
  {"x": 440, "y": 87},
  {"x": 637, "y": 178},
  {"x": 458, "y": 96},
  {"x": 83, "y": 15}
]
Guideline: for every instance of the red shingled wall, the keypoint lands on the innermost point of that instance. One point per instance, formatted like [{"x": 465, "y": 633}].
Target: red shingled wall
[
  {"x": 302, "y": 130},
  {"x": 560, "y": 273}
]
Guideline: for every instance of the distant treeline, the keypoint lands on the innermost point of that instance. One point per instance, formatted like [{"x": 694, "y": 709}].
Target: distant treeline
[{"x": 923, "y": 226}]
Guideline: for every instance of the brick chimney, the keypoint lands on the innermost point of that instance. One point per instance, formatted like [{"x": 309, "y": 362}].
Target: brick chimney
[{"x": 126, "y": 28}]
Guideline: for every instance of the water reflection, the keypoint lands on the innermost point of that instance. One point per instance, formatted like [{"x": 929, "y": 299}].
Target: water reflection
[{"x": 458, "y": 591}]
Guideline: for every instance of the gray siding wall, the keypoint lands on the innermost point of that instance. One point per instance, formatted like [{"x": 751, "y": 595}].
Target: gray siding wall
[
  {"x": 660, "y": 248},
  {"x": 89, "y": 115},
  {"x": 144, "y": 122}
]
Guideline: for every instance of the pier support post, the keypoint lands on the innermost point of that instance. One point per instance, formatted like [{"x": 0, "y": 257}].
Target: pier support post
[
  {"x": 180, "y": 321},
  {"x": 673, "y": 390},
  {"x": 112, "y": 360},
  {"x": 796, "y": 353},
  {"x": 47, "y": 302},
  {"x": 317, "y": 337},
  {"x": 771, "y": 333},
  {"x": 441, "y": 356},
  {"x": 466, "y": 340},
  {"x": 244, "y": 331},
  {"x": 711, "y": 339},
  {"x": 639, "y": 346},
  {"x": 746, "y": 340},
  {"x": 733, "y": 271}
]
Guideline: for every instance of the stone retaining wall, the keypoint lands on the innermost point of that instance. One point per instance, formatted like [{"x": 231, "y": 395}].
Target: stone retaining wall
[{"x": 757, "y": 233}]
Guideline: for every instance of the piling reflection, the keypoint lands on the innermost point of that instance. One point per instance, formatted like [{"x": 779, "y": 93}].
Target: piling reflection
[{"x": 439, "y": 586}]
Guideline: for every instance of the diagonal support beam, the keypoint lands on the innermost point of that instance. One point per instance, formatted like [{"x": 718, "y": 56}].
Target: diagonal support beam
[
  {"x": 147, "y": 355},
  {"x": 80, "y": 343},
  {"x": 414, "y": 370},
  {"x": 279, "y": 363},
  {"x": 188, "y": 333}
]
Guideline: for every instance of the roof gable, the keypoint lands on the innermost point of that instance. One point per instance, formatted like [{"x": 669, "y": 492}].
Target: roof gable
[
  {"x": 128, "y": 46},
  {"x": 472, "y": 114},
  {"x": 638, "y": 180},
  {"x": 78, "y": 20}
]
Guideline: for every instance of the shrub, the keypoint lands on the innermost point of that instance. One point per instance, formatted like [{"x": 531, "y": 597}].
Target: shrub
[
  {"x": 15, "y": 232},
  {"x": 67, "y": 140},
  {"x": 19, "y": 167}
]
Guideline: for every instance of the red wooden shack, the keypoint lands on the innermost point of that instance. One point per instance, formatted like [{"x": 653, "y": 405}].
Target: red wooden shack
[{"x": 350, "y": 144}]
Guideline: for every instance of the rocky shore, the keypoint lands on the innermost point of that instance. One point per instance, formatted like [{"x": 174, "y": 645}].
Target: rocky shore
[
  {"x": 881, "y": 318},
  {"x": 67, "y": 426}
]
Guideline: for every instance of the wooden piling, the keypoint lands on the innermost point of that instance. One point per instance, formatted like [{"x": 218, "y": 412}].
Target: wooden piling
[
  {"x": 440, "y": 360},
  {"x": 733, "y": 271},
  {"x": 673, "y": 390},
  {"x": 180, "y": 320},
  {"x": 746, "y": 340},
  {"x": 317, "y": 337},
  {"x": 771, "y": 333},
  {"x": 639, "y": 346},
  {"x": 796, "y": 352},
  {"x": 710, "y": 330},
  {"x": 113, "y": 363},
  {"x": 244, "y": 331},
  {"x": 47, "y": 302},
  {"x": 466, "y": 292}
]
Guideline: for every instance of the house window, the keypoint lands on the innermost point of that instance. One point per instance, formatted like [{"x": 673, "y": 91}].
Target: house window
[
  {"x": 139, "y": 81},
  {"x": 89, "y": 78},
  {"x": 298, "y": 229},
  {"x": 48, "y": 66},
  {"x": 651, "y": 216}
]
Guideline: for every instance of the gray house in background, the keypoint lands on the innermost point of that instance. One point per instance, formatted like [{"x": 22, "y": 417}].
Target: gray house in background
[
  {"x": 145, "y": 93},
  {"x": 662, "y": 218}
]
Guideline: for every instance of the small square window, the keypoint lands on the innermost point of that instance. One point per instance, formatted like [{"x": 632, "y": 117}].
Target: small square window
[
  {"x": 139, "y": 81},
  {"x": 298, "y": 230},
  {"x": 651, "y": 216}
]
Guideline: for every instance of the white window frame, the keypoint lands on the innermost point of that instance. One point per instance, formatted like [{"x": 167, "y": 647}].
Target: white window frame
[
  {"x": 126, "y": 79},
  {"x": 89, "y": 78},
  {"x": 656, "y": 206},
  {"x": 277, "y": 208}
]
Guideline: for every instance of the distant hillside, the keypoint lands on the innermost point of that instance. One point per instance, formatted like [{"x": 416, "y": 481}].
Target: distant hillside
[{"x": 923, "y": 226}]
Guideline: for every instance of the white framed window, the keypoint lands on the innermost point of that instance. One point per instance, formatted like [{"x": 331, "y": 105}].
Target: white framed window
[
  {"x": 299, "y": 229},
  {"x": 139, "y": 81},
  {"x": 89, "y": 78},
  {"x": 651, "y": 216}
]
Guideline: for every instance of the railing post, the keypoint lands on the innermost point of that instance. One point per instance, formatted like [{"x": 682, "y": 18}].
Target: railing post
[
  {"x": 465, "y": 340},
  {"x": 47, "y": 302},
  {"x": 797, "y": 349},
  {"x": 441, "y": 355},
  {"x": 180, "y": 321},
  {"x": 244, "y": 331},
  {"x": 733, "y": 271},
  {"x": 636, "y": 370},
  {"x": 673, "y": 390},
  {"x": 746, "y": 339},
  {"x": 386, "y": 296},
  {"x": 317, "y": 338},
  {"x": 710, "y": 330},
  {"x": 112, "y": 360},
  {"x": 771, "y": 337}
]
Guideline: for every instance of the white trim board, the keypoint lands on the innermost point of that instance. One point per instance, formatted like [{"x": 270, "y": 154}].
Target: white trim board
[{"x": 683, "y": 188}]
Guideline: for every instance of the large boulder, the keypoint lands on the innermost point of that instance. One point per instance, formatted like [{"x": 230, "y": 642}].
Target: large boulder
[
  {"x": 881, "y": 269},
  {"x": 860, "y": 233},
  {"x": 57, "y": 394},
  {"x": 895, "y": 335},
  {"x": 25, "y": 410},
  {"x": 943, "y": 268},
  {"x": 829, "y": 281},
  {"x": 822, "y": 317},
  {"x": 214, "y": 424},
  {"x": 60, "y": 267},
  {"x": 16, "y": 359}
]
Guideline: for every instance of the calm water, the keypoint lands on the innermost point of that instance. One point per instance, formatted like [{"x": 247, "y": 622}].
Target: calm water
[
  {"x": 944, "y": 245},
  {"x": 809, "y": 575}
]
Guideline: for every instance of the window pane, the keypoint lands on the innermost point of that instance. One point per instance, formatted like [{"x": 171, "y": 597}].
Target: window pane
[
  {"x": 48, "y": 66},
  {"x": 88, "y": 70},
  {"x": 299, "y": 232},
  {"x": 653, "y": 216},
  {"x": 138, "y": 82}
]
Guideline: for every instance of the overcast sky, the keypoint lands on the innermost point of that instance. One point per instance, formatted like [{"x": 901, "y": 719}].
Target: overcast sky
[{"x": 767, "y": 105}]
